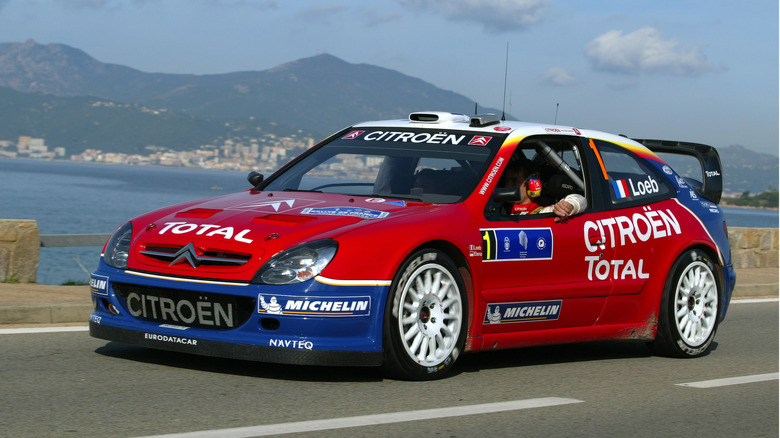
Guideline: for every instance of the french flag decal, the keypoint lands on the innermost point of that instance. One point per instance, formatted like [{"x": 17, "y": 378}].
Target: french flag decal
[{"x": 621, "y": 188}]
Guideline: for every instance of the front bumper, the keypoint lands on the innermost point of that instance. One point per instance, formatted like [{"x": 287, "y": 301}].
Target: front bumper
[
  {"x": 258, "y": 353},
  {"x": 313, "y": 323}
]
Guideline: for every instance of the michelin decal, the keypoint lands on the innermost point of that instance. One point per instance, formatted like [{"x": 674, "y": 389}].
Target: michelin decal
[
  {"x": 502, "y": 313},
  {"x": 293, "y": 305}
]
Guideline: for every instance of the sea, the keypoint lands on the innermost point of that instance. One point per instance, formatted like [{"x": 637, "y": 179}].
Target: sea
[{"x": 90, "y": 198}]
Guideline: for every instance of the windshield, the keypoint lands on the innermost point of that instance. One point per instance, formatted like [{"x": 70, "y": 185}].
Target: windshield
[{"x": 425, "y": 165}]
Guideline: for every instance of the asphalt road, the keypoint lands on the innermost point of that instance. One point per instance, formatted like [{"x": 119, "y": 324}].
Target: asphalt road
[{"x": 68, "y": 384}]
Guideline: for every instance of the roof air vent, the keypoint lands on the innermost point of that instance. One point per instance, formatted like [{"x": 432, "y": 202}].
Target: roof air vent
[
  {"x": 437, "y": 117},
  {"x": 481, "y": 120}
]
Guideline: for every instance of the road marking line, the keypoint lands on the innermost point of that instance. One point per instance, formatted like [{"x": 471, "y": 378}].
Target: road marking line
[
  {"x": 731, "y": 381},
  {"x": 20, "y": 331},
  {"x": 372, "y": 420},
  {"x": 755, "y": 300}
]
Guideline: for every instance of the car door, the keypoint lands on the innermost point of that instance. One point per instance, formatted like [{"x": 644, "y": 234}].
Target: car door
[
  {"x": 539, "y": 273},
  {"x": 642, "y": 223}
]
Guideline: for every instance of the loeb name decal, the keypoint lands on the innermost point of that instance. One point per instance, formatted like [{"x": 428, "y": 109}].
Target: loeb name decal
[
  {"x": 294, "y": 305},
  {"x": 502, "y": 313},
  {"x": 625, "y": 189},
  {"x": 517, "y": 244}
]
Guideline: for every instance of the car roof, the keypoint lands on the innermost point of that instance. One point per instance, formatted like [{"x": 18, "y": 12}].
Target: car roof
[{"x": 462, "y": 122}]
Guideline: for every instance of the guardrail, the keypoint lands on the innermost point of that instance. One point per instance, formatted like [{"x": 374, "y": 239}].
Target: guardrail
[{"x": 60, "y": 240}]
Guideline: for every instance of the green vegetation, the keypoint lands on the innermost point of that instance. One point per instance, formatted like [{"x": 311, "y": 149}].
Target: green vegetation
[
  {"x": 767, "y": 199},
  {"x": 74, "y": 283},
  {"x": 12, "y": 279}
]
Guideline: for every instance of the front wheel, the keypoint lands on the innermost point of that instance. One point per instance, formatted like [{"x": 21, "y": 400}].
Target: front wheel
[
  {"x": 688, "y": 316},
  {"x": 425, "y": 317}
]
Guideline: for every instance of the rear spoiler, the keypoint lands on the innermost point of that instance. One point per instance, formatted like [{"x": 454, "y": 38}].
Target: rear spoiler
[{"x": 711, "y": 184}]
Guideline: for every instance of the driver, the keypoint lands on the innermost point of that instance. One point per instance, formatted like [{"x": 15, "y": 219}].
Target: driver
[{"x": 521, "y": 173}]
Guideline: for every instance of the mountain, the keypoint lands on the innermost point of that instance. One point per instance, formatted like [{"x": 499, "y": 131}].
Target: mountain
[
  {"x": 322, "y": 93},
  {"x": 82, "y": 122},
  {"x": 746, "y": 170},
  {"x": 62, "y": 94}
]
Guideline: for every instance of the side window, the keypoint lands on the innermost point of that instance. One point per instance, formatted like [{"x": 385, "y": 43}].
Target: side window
[
  {"x": 534, "y": 179},
  {"x": 630, "y": 178}
]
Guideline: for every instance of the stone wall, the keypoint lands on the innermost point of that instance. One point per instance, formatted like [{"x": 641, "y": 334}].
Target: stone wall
[
  {"x": 754, "y": 247},
  {"x": 20, "y": 244}
]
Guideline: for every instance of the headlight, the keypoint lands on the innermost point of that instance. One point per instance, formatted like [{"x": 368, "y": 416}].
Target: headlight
[
  {"x": 298, "y": 264},
  {"x": 118, "y": 247}
]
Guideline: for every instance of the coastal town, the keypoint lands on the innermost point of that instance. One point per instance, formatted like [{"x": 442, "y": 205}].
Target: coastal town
[{"x": 264, "y": 154}]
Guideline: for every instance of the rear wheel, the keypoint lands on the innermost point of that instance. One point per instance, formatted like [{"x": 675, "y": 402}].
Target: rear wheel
[
  {"x": 425, "y": 317},
  {"x": 688, "y": 317}
]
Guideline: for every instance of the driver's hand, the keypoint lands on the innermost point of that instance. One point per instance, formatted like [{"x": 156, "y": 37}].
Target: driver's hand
[{"x": 562, "y": 210}]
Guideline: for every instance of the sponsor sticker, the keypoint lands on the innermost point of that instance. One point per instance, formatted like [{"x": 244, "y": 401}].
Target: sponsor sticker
[
  {"x": 170, "y": 339},
  {"x": 529, "y": 311},
  {"x": 362, "y": 213},
  {"x": 98, "y": 284},
  {"x": 291, "y": 343},
  {"x": 480, "y": 140},
  {"x": 353, "y": 135},
  {"x": 304, "y": 305},
  {"x": 414, "y": 137},
  {"x": 506, "y": 244},
  {"x": 627, "y": 188}
]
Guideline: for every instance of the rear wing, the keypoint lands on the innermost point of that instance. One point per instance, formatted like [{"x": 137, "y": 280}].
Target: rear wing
[{"x": 710, "y": 185}]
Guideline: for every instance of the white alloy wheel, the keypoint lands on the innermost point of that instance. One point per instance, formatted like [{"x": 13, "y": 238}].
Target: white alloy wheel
[
  {"x": 696, "y": 304},
  {"x": 431, "y": 315}
]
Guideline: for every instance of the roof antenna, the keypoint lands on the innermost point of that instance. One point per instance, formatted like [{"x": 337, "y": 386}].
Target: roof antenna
[
  {"x": 506, "y": 69},
  {"x": 475, "y": 108},
  {"x": 556, "y": 113}
]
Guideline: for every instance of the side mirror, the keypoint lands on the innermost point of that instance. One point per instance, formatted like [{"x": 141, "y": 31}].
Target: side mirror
[
  {"x": 255, "y": 178},
  {"x": 507, "y": 194}
]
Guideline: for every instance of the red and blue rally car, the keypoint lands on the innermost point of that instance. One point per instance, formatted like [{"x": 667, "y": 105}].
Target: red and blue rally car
[{"x": 393, "y": 243}]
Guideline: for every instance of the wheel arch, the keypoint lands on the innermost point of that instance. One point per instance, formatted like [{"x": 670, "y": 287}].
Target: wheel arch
[
  {"x": 464, "y": 269},
  {"x": 712, "y": 253}
]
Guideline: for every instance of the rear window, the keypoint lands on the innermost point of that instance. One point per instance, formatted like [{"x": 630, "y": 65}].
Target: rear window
[{"x": 630, "y": 177}]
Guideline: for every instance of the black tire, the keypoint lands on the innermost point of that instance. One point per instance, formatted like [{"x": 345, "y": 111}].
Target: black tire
[
  {"x": 689, "y": 313},
  {"x": 426, "y": 317}
]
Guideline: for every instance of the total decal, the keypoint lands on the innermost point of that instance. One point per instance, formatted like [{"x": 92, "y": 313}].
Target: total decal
[
  {"x": 501, "y": 313},
  {"x": 506, "y": 244},
  {"x": 622, "y": 231},
  {"x": 293, "y": 305},
  {"x": 208, "y": 230}
]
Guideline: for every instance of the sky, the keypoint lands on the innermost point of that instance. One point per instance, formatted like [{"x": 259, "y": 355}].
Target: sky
[{"x": 703, "y": 71}]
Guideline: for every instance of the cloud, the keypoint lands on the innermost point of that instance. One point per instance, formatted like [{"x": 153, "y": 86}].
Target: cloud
[
  {"x": 494, "y": 15},
  {"x": 320, "y": 12},
  {"x": 559, "y": 76},
  {"x": 645, "y": 51}
]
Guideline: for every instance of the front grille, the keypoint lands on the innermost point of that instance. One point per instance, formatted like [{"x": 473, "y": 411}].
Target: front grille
[
  {"x": 185, "y": 308},
  {"x": 195, "y": 256}
]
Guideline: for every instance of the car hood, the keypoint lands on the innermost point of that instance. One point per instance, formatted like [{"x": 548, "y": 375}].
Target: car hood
[{"x": 230, "y": 237}]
